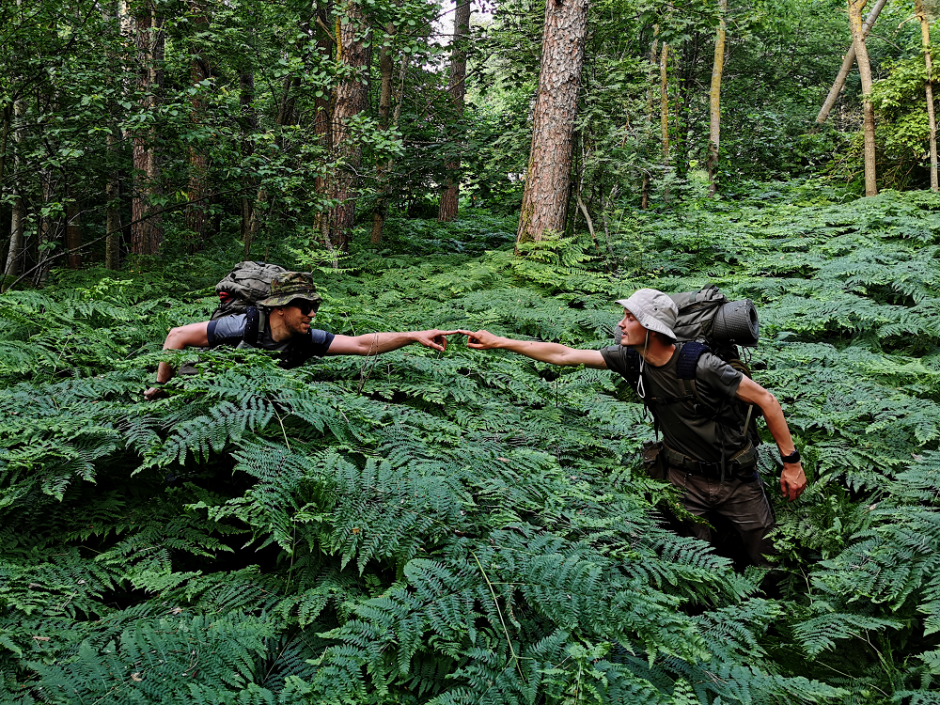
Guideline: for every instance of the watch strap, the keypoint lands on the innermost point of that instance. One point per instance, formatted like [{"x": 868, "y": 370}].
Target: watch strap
[{"x": 794, "y": 457}]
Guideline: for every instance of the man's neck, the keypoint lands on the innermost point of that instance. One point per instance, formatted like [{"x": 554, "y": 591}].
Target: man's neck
[
  {"x": 656, "y": 352},
  {"x": 279, "y": 330}
]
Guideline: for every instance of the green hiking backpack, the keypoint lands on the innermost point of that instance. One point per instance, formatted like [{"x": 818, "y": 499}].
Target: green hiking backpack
[{"x": 243, "y": 287}]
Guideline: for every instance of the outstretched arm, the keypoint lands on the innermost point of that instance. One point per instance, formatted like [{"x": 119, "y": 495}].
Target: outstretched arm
[
  {"x": 792, "y": 479},
  {"x": 192, "y": 335},
  {"x": 375, "y": 343},
  {"x": 553, "y": 353}
]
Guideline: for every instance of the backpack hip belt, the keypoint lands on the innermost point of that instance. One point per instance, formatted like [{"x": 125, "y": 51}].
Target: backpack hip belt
[{"x": 743, "y": 460}]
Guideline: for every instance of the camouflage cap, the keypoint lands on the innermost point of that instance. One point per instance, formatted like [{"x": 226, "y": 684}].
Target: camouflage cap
[{"x": 291, "y": 286}]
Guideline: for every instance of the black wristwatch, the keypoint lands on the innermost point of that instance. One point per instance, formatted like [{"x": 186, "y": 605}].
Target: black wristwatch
[{"x": 794, "y": 457}]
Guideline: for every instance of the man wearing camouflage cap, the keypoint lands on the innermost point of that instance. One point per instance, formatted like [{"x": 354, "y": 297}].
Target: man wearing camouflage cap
[
  {"x": 281, "y": 323},
  {"x": 713, "y": 463}
]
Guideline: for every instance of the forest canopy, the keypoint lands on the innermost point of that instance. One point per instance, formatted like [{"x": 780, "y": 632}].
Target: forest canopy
[{"x": 460, "y": 526}]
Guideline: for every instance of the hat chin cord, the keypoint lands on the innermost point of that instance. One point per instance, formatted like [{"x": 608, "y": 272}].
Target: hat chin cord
[{"x": 640, "y": 388}]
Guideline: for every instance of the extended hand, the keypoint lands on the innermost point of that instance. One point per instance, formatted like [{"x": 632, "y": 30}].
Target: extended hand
[
  {"x": 435, "y": 339},
  {"x": 481, "y": 340},
  {"x": 792, "y": 480}
]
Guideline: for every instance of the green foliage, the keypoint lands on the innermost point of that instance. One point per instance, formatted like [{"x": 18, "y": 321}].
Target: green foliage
[{"x": 472, "y": 527}]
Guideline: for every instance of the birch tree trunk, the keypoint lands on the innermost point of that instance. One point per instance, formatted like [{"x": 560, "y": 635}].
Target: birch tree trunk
[
  {"x": 18, "y": 215},
  {"x": 714, "y": 99},
  {"x": 352, "y": 98},
  {"x": 545, "y": 199},
  {"x": 864, "y": 69},
  {"x": 457, "y": 89},
  {"x": 931, "y": 117},
  {"x": 847, "y": 64}
]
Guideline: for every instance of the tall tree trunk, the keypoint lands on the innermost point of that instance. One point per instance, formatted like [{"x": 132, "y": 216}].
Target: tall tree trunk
[
  {"x": 73, "y": 233},
  {"x": 352, "y": 98},
  {"x": 385, "y": 106},
  {"x": 847, "y": 64},
  {"x": 864, "y": 69},
  {"x": 323, "y": 118},
  {"x": 664, "y": 100},
  {"x": 47, "y": 231},
  {"x": 714, "y": 99},
  {"x": 113, "y": 227},
  {"x": 146, "y": 228},
  {"x": 931, "y": 117},
  {"x": 545, "y": 199},
  {"x": 18, "y": 216},
  {"x": 458, "y": 89},
  {"x": 249, "y": 124},
  {"x": 199, "y": 71}
]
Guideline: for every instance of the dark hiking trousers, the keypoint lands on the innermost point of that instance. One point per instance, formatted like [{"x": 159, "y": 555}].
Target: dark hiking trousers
[{"x": 742, "y": 502}]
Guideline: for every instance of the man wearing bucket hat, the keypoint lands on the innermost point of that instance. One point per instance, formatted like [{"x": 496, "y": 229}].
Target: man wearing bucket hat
[
  {"x": 713, "y": 462},
  {"x": 281, "y": 323}
]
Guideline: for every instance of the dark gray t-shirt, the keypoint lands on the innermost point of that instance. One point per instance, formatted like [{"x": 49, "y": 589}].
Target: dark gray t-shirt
[
  {"x": 231, "y": 330},
  {"x": 695, "y": 434}
]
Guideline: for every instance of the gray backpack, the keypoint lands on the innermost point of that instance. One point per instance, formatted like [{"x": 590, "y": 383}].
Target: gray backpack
[{"x": 243, "y": 287}]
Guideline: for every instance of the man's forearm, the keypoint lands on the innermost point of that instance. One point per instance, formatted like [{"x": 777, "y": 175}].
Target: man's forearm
[
  {"x": 552, "y": 353},
  {"x": 386, "y": 342},
  {"x": 777, "y": 425}
]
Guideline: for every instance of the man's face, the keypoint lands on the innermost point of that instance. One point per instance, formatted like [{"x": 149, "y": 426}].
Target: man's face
[
  {"x": 298, "y": 315},
  {"x": 633, "y": 332}
]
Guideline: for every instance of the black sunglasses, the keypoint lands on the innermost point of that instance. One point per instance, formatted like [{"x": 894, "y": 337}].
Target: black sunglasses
[{"x": 306, "y": 307}]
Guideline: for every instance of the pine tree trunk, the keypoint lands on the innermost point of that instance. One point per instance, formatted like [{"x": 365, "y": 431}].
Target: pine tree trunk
[
  {"x": 847, "y": 64},
  {"x": 715, "y": 100},
  {"x": 664, "y": 101},
  {"x": 112, "y": 253},
  {"x": 458, "y": 89},
  {"x": 146, "y": 228},
  {"x": 199, "y": 71},
  {"x": 545, "y": 199},
  {"x": 864, "y": 69},
  {"x": 352, "y": 98},
  {"x": 928, "y": 89},
  {"x": 385, "y": 106},
  {"x": 47, "y": 232},
  {"x": 323, "y": 118}
]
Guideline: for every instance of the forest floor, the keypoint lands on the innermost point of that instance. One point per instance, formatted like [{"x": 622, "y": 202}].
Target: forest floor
[{"x": 468, "y": 526}]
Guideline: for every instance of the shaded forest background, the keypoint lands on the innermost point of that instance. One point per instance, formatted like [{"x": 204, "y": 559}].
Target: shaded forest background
[{"x": 462, "y": 527}]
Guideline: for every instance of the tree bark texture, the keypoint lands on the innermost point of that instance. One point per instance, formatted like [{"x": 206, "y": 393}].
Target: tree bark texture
[
  {"x": 864, "y": 70},
  {"x": 664, "y": 100},
  {"x": 352, "y": 98},
  {"x": 199, "y": 71},
  {"x": 386, "y": 67},
  {"x": 847, "y": 64},
  {"x": 323, "y": 116},
  {"x": 249, "y": 125},
  {"x": 928, "y": 89},
  {"x": 545, "y": 199},
  {"x": 146, "y": 228},
  {"x": 457, "y": 89},
  {"x": 18, "y": 216},
  {"x": 73, "y": 235},
  {"x": 714, "y": 100}
]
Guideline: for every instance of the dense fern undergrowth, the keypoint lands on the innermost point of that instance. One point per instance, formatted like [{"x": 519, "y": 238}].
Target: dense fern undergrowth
[{"x": 473, "y": 527}]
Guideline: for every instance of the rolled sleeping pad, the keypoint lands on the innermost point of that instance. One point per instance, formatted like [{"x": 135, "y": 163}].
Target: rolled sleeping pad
[{"x": 736, "y": 323}]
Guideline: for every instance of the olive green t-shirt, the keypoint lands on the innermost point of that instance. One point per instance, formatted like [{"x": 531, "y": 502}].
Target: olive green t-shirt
[{"x": 697, "y": 435}]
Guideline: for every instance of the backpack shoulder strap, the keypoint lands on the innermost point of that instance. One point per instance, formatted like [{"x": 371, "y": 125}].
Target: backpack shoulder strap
[
  {"x": 254, "y": 326},
  {"x": 689, "y": 355}
]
